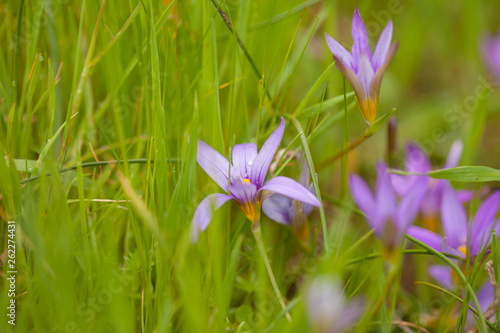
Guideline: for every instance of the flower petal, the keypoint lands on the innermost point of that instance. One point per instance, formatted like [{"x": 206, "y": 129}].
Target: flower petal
[
  {"x": 426, "y": 236},
  {"x": 308, "y": 208},
  {"x": 339, "y": 52},
  {"x": 416, "y": 160},
  {"x": 359, "y": 37},
  {"x": 442, "y": 274},
  {"x": 204, "y": 212},
  {"x": 491, "y": 53},
  {"x": 292, "y": 189},
  {"x": 266, "y": 154},
  {"x": 464, "y": 195},
  {"x": 454, "y": 155},
  {"x": 243, "y": 158},
  {"x": 365, "y": 73},
  {"x": 410, "y": 203},
  {"x": 379, "y": 73},
  {"x": 351, "y": 77},
  {"x": 454, "y": 218},
  {"x": 214, "y": 164},
  {"x": 244, "y": 192},
  {"x": 483, "y": 223},
  {"x": 361, "y": 194},
  {"x": 278, "y": 208},
  {"x": 383, "y": 45},
  {"x": 485, "y": 295},
  {"x": 385, "y": 199}
]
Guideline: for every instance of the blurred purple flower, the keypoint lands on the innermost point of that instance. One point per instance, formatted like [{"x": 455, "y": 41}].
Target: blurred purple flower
[
  {"x": 327, "y": 308},
  {"x": 362, "y": 69},
  {"x": 244, "y": 180},
  {"x": 417, "y": 162},
  {"x": 461, "y": 238},
  {"x": 490, "y": 48},
  {"x": 388, "y": 218},
  {"x": 485, "y": 295},
  {"x": 288, "y": 211}
]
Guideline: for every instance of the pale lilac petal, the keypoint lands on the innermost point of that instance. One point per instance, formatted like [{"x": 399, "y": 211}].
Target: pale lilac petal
[
  {"x": 365, "y": 73},
  {"x": 426, "y": 236},
  {"x": 214, "y": 164},
  {"x": 431, "y": 203},
  {"x": 203, "y": 214},
  {"x": 244, "y": 192},
  {"x": 383, "y": 45},
  {"x": 266, "y": 155},
  {"x": 340, "y": 53},
  {"x": 361, "y": 194},
  {"x": 410, "y": 203},
  {"x": 385, "y": 199},
  {"x": 442, "y": 274},
  {"x": 350, "y": 75},
  {"x": 447, "y": 248},
  {"x": 379, "y": 73},
  {"x": 483, "y": 223},
  {"x": 308, "y": 208},
  {"x": 359, "y": 38},
  {"x": 401, "y": 184},
  {"x": 454, "y": 155},
  {"x": 243, "y": 158},
  {"x": 464, "y": 195},
  {"x": 491, "y": 53},
  {"x": 278, "y": 208},
  {"x": 485, "y": 295},
  {"x": 454, "y": 219},
  {"x": 416, "y": 160},
  {"x": 292, "y": 189},
  {"x": 327, "y": 307}
]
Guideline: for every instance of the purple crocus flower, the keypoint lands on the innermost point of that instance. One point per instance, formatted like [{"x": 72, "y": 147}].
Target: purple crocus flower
[
  {"x": 362, "y": 69},
  {"x": 244, "y": 180},
  {"x": 461, "y": 238},
  {"x": 285, "y": 210},
  {"x": 388, "y": 218},
  {"x": 485, "y": 295},
  {"x": 327, "y": 308},
  {"x": 416, "y": 161},
  {"x": 490, "y": 48}
]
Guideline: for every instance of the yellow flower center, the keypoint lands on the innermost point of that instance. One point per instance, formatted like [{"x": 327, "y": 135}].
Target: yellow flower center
[
  {"x": 246, "y": 181},
  {"x": 463, "y": 249}
]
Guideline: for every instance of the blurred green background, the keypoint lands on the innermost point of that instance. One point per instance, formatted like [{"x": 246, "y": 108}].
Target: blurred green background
[{"x": 107, "y": 248}]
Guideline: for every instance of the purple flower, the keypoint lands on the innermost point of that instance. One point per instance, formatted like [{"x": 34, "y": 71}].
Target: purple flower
[
  {"x": 485, "y": 295},
  {"x": 388, "y": 218},
  {"x": 327, "y": 308},
  {"x": 461, "y": 238},
  {"x": 243, "y": 181},
  {"x": 417, "y": 162},
  {"x": 490, "y": 48},
  {"x": 362, "y": 69},
  {"x": 288, "y": 211}
]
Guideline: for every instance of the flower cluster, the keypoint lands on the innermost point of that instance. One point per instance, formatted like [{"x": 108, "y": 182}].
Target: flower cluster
[{"x": 403, "y": 202}]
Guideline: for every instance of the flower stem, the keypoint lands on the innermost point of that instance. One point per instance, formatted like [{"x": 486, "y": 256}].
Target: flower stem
[{"x": 258, "y": 238}]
